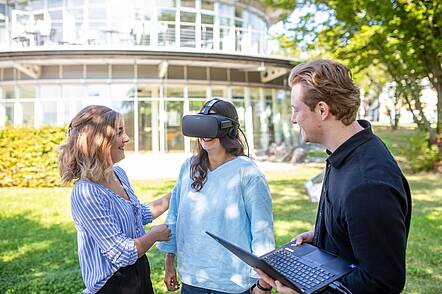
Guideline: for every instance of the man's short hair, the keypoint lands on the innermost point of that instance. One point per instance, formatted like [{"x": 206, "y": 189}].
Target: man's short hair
[{"x": 331, "y": 82}]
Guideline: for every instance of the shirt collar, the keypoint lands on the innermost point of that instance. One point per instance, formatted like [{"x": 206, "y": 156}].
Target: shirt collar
[{"x": 337, "y": 158}]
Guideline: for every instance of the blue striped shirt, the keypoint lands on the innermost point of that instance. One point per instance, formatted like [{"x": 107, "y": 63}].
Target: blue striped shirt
[{"x": 107, "y": 225}]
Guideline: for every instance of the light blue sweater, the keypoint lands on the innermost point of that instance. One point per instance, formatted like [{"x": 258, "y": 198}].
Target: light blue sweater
[{"x": 235, "y": 204}]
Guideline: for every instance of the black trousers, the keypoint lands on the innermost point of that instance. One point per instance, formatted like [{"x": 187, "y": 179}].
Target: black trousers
[{"x": 132, "y": 279}]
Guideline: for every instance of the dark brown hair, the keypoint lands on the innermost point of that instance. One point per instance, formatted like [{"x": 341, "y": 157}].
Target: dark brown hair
[
  {"x": 233, "y": 145},
  {"x": 331, "y": 82}
]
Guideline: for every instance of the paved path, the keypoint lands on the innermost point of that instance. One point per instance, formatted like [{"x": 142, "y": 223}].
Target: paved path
[{"x": 167, "y": 166}]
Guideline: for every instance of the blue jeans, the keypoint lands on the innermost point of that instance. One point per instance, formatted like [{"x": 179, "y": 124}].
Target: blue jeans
[{"x": 187, "y": 289}]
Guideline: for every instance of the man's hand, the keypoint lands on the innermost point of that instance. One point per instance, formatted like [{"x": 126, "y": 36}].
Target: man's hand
[
  {"x": 275, "y": 284},
  {"x": 306, "y": 237},
  {"x": 170, "y": 277}
]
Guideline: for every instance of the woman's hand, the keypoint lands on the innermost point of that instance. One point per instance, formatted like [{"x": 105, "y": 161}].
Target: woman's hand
[
  {"x": 160, "y": 232},
  {"x": 306, "y": 237},
  {"x": 170, "y": 277}
]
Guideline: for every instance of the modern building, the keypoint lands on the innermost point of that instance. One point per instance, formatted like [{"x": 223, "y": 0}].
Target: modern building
[{"x": 152, "y": 60}]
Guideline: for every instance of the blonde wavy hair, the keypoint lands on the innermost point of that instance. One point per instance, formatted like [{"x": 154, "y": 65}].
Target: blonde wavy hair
[{"x": 87, "y": 152}]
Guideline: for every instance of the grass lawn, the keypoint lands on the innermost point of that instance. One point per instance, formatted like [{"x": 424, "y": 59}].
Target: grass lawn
[{"x": 38, "y": 240}]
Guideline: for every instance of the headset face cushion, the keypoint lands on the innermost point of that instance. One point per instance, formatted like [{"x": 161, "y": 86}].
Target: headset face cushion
[{"x": 205, "y": 126}]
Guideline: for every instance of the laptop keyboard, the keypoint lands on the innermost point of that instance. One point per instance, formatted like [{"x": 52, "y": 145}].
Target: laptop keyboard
[{"x": 292, "y": 267}]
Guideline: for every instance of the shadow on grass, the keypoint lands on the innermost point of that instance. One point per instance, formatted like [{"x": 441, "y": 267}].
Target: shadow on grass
[{"x": 36, "y": 258}]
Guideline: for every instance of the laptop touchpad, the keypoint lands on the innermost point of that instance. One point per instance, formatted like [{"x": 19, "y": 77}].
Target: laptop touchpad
[{"x": 320, "y": 257}]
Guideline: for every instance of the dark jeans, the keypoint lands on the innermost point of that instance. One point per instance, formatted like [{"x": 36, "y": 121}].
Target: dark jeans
[
  {"x": 187, "y": 289},
  {"x": 132, "y": 279}
]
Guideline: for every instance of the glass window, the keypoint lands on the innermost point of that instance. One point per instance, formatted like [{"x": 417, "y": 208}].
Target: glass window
[
  {"x": 71, "y": 108},
  {"x": 218, "y": 74},
  {"x": 197, "y": 92},
  {"x": 126, "y": 108},
  {"x": 237, "y": 76},
  {"x": 49, "y": 72},
  {"x": 144, "y": 91},
  {"x": 55, "y": 3},
  {"x": 196, "y": 73},
  {"x": 187, "y": 36},
  {"x": 56, "y": 15},
  {"x": 188, "y": 17},
  {"x": 226, "y": 10},
  {"x": 207, "y": 19},
  {"x": 206, "y": 36},
  {"x": 166, "y": 34},
  {"x": 175, "y": 72},
  {"x": 147, "y": 124},
  {"x": 166, "y": 15},
  {"x": 97, "y": 92},
  {"x": 75, "y": 3},
  {"x": 123, "y": 71},
  {"x": 8, "y": 92},
  {"x": 9, "y": 109},
  {"x": 174, "y": 91},
  {"x": 166, "y": 3},
  {"x": 72, "y": 71},
  {"x": 188, "y": 3},
  {"x": 270, "y": 114},
  {"x": 195, "y": 106},
  {"x": 119, "y": 91},
  {"x": 207, "y": 4},
  {"x": 219, "y": 92},
  {"x": 147, "y": 71},
  {"x": 37, "y": 4},
  {"x": 49, "y": 112},
  {"x": 49, "y": 91},
  {"x": 97, "y": 71},
  {"x": 8, "y": 74},
  {"x": 239, "y": 12},
  {"x": 28, "y": 114},
  {"x": 73, "y": 96},
  {"x": 238, "y": 101},
  {"x": 174, "y": 137},
  {"x": 260, "y": 115},
  {"x": 73, "y": 92},
  {"x": 26, "y": 92}
]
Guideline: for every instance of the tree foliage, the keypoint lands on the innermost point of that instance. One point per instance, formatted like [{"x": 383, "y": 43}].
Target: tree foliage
[{"x": 402, "y": 39}]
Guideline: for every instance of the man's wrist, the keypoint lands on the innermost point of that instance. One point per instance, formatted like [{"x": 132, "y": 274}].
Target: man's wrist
[{"x": 260, "y": 287}]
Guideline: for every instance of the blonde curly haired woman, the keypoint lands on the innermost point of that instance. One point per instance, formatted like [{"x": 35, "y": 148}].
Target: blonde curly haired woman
[{"x": 108, "y": 216}]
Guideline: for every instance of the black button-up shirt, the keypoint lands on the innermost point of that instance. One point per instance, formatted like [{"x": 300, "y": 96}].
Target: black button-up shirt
[{"x": 364, "y": 213}]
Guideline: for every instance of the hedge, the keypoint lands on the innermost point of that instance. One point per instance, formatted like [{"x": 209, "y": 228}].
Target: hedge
[{"x": 29, "y": 156}]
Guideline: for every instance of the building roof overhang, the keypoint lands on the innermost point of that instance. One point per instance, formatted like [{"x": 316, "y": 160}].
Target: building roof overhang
[
  {"x": 31, "y": 60},
  {"x": 45, "y": 56}
]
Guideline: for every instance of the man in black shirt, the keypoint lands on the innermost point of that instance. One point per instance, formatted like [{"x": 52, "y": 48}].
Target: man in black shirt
[{"x": 365, "y": 207}]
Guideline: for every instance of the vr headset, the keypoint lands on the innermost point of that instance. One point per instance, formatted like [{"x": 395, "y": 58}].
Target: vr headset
[{"x": 209, "y": 125}]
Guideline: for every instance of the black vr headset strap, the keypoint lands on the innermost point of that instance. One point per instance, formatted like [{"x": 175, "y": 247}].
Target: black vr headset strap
[{"x": 208, "y": 106}]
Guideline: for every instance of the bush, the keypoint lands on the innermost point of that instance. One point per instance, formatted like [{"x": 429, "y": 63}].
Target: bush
[
  {"x": 28, "y": 156},
  {"x": 419, "y": 154}
]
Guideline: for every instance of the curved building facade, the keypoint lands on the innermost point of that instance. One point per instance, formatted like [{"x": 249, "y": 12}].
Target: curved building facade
[{"x": 153, "y": 61}]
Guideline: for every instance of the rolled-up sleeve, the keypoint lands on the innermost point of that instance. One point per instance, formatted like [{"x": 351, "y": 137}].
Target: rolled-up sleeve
[
  {"x": 146, "y": 213},
  {"x": 91, "y": 212},
  {"x": 170, "y": 246}
]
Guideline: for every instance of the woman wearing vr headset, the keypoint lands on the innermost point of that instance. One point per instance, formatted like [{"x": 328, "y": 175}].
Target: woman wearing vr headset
[
  {"x": 221, "y": 191},
  {"x": 108, "y": 216}
]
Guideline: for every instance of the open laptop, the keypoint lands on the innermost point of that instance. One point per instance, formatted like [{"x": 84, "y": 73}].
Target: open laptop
[{"x": 304, "y": 268}]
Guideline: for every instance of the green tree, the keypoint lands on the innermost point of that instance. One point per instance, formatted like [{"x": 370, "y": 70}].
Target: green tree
[{"x": 401, "y": 37}]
